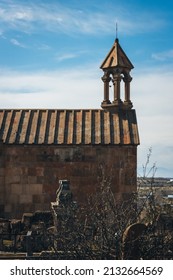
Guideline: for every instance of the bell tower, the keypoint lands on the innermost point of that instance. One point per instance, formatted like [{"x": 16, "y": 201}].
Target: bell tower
[{"x": 116, "y": 67}]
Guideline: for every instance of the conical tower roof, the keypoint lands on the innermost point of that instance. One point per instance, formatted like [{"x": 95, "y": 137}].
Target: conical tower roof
[{"x": 116, "y": 58}]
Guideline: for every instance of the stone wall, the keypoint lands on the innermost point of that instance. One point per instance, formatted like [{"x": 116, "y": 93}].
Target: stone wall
[{"x": 29, "y": 175}]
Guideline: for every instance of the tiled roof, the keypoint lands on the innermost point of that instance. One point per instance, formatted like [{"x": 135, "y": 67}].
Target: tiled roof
[{"x": 96, "y": 126}]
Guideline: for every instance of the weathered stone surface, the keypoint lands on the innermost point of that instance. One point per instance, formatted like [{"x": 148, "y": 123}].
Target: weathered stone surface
[{"x": 35, "y": 178}]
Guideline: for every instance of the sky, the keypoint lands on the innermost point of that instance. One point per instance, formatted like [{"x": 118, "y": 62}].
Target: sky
[{"x": 51, "y": 52}]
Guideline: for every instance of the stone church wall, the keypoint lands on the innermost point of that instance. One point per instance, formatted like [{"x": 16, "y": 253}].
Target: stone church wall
[{"x": 29, "y": 175}]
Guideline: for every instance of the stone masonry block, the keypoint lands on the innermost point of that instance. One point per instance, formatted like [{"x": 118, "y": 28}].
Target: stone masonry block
[
  {"x": 34, "y": 189},
  {"x": 32, "y": 179},
  {"x": 2, "y": 210},
  {"x": 13, "y": 171},
  {"x": 1, "y": 198},
  {"x": 40, "y": 171},
  {"x": 24, "y": 179},
  {"x": 25, "y": 198},
  {"x": 2, "y": 171},
  {"x": 42, "y": 207},
  {"x": 8, "y": 208},
  {"x": 38, "y": 206},
  {"x": 7, "y": 189},
  {"x": 32, "y": 171},
  {"x": 12, "y": 198},
  {"x": 12, "y": 179},
  {"x": 37, "y": 198},
  {"x": 40, "y": 179},
  {"x": 1, "y": 182},
  {"x": 16, "y": 189}
]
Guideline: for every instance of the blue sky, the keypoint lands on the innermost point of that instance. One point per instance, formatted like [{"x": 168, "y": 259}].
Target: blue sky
[{"x": 51, "y": 51}]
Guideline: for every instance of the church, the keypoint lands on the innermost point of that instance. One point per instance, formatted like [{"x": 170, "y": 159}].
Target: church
[{"x": 39, "y": 147}]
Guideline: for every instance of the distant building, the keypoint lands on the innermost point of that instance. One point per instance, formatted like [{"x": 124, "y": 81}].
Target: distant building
[{"x": 40, "y": 147}]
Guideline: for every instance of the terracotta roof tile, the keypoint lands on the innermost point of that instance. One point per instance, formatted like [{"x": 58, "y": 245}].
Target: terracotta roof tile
[{"x": 68, "y": 127}]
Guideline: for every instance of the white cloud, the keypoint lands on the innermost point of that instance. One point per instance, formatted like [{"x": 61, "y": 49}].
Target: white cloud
[
  {"x": 153, "y": 99},
  {"x": 65, "y": 56},
  {"x": 162, "y": 56},
  {"x": 61, "y": 18},
  {"x": 70, "y": 55},
  {"x": 59, "y": 89},
  {"x": 17, "y": 43},
  {"x": 43, "y": 47}
]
